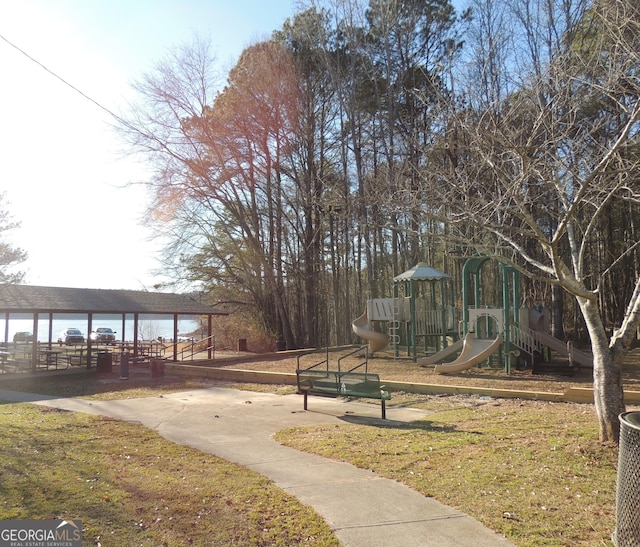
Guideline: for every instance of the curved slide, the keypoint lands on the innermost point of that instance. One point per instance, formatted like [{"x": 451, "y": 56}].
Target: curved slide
[
  {"x": 377, "y": 340},
  {"x": 474, "y": 351},
  {"x": 442, "y": 354}
]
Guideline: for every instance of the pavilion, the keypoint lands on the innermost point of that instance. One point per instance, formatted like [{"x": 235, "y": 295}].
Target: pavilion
[{"x": 36, "y": 302}]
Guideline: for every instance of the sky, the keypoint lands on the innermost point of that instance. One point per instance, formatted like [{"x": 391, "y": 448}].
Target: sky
[{"x": 65, "y": 172}]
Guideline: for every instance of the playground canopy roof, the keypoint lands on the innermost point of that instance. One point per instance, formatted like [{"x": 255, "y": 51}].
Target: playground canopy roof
[
  {"x": 421, "y": 272},
  {"x": 30, "y": 299}
]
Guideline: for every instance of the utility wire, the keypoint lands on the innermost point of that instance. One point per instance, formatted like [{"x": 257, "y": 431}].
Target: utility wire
[
  {"x": 62, "y": 79},
  {"x": 121, "y": 120}
]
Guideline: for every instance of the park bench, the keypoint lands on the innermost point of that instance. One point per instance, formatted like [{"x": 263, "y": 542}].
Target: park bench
[{"x": 334, "y": 383}]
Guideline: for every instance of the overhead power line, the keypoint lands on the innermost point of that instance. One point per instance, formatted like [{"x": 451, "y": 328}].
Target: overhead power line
[{"x": 65, "y": 82}]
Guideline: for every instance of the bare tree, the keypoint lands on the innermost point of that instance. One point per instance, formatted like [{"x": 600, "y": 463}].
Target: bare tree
[
  {"x": 538, "y": 172},
  {"x": 227, "y": 192}
]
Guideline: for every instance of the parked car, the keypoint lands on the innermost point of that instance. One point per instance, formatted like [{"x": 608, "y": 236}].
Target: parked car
[
  {"x": 23, "y": 336},
  {"x": 103, "y": 335},
  {"x": 71, "y": 336}
]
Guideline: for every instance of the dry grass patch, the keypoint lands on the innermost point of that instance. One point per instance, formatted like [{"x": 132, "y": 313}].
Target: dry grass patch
[
  {"x": 532, "y": 471},
  {"x": 130, "y": 486}
]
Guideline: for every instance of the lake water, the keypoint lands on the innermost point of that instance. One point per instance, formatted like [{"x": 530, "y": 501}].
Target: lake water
[{"x": 148, "y": 329}]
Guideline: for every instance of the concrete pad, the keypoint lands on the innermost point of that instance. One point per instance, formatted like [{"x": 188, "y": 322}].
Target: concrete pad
[{"x": 363, "y": 509}]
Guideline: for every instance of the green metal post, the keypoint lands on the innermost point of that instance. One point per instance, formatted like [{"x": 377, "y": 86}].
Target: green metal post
[
  {"x": 412, "y": 290},
  {"x": 505, "y": 318},
  {"x": 443, "y": 293},
  {"x": 397, "y": 335},
  {"x": 465, "y": 298}
]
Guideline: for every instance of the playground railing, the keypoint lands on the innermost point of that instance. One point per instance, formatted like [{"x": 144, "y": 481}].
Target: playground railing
[
  {"x": 364, "y": 363},
  {"x": 435, "y": 322},
  {"x": 525, "y": 339},
  {"x": 531, "y": 341}
]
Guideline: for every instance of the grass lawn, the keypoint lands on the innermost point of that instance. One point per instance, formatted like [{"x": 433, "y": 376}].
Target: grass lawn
[
  {"x": 531, "y": 470},
  {"x": 129, "y": 485}
]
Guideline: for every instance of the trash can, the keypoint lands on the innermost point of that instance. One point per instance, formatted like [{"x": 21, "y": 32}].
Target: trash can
[
  {"x": 242, "y": 344},
  {"x": 627, "y": 532},
  {"x": 124, "y": 366},
  {"x": 104, "y": 362},
  {"x": 157, "y": 368}
]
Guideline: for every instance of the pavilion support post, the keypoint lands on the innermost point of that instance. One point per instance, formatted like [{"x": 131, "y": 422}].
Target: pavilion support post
[
  {"x": 135, "y": 334},
  {"x": 34, "y": 344},
  {"x": 50, "y": 339},
  {"x": 89, "y": 329},
  {"x": 175, "y": 336}
]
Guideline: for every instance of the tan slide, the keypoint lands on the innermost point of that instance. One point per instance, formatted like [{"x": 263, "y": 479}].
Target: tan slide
[
  {"x": 562, "y": 348},
  {"x": 442, "y": 354},
  {"x": 362, "y": 327},
  {"x": 474, "y": 351}
]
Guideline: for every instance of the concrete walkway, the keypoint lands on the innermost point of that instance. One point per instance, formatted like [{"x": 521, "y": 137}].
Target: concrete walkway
[{"x": 363, "y": 509}]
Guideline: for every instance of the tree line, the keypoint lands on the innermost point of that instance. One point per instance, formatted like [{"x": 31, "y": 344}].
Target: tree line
[
  {"x": 365, "y": 137},
  {"x": 11, "y": 256}
]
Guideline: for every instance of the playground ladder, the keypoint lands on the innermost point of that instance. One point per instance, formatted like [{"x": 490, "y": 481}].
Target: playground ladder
[{"x": 394, "y": 325}]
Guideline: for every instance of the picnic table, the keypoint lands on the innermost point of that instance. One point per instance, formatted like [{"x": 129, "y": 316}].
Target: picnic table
[
  {"x": 4, "y": 355},
  {"x": 49, "y": 357}
]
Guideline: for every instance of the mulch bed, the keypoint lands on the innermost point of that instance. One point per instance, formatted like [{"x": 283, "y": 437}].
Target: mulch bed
[{"x": 405, "y": 370}]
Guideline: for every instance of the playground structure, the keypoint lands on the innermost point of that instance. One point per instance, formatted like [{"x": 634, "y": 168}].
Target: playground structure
[
  {"x": 490, "y": 326},
  {"x": 420, "y": 310}
]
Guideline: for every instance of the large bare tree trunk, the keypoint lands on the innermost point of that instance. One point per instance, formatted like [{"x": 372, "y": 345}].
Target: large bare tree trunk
[
  {"x": 607, "y": 374},
  {"x": 557, "y": 312}
]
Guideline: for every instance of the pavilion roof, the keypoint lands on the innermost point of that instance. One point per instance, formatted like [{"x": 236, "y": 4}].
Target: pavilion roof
[{"x": 37, "y": 299}]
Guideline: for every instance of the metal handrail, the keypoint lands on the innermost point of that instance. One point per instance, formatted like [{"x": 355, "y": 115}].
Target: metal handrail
[
  {"x": 324, "y": 361},
  {"x": 365, "y": 362},
  {"x": 190, "y": 351}
]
